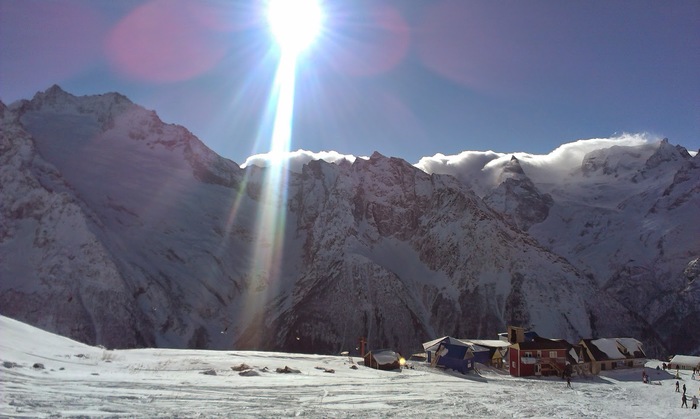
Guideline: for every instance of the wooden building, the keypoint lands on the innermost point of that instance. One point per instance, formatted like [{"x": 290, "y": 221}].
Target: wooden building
[
  {"x": 536, "y": 358},
  {"x": 498, "y": 352},
  {"x": 685, "y": 362},
  {"x": 611, "y": 353},
  {"x": 383, "y": 359}
]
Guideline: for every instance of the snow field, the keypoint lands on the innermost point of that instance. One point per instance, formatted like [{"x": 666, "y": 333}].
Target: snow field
[{"x": 79, "y": 380}]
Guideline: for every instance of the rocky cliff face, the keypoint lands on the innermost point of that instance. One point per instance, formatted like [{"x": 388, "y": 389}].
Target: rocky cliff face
[
  {"x": 517, "y": 197},
  {"x": 149, "y": 238},
  {"x": 56, "y": 272}
]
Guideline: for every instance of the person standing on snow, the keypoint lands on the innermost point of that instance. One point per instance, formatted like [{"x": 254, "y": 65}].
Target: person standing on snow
[
  {"x": 685, "y": 401},
  {"x": 677, "y": 390},
  {"x": 695, "y": 402},
  {"x": 568, "y": 382},
  {"x": 683, "y": 389}
]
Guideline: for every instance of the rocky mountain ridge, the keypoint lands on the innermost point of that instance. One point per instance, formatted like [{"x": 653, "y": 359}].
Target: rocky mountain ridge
[{"x": 118, "y": 229}]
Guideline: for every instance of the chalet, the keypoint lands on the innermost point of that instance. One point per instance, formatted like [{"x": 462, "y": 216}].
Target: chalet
[
  {"x": 498, "y": 352},
  {"x": 611, "y": 353},
  {"x": 685, "y": 362},
  {"x": 455, "y": 354},
  {"x": 538, "y": 357},
  {"x": 383, "y": 359}
]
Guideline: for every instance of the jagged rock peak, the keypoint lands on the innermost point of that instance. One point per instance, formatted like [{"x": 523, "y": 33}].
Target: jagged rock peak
[
  {"x": 104, "y": 106},
  {"x": 667, "y": 152},
  {"x": 513, "y": 166},
  {"x": 383, "y": 165},
  {"x": 377, "y": 156},
  {"x": 512, "y": 170},
  {"x": 54, "y": 90},
  {"x": 51, "y": 96},
  {"x": 56, "y": 100}
]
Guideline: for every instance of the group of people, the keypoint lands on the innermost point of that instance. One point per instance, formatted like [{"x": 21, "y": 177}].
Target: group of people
[{"x": 684, "y": 398}]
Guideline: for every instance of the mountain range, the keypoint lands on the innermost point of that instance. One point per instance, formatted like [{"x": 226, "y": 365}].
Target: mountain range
[{"x": 120, "y": 230}]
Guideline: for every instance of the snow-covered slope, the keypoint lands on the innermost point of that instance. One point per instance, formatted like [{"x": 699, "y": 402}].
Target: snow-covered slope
[
  {"x": 636, "y": 224},
  {"x": 44, "y": 375},
  {"x": 626, "y": 216},
  {"x": 121, "y": 230}
]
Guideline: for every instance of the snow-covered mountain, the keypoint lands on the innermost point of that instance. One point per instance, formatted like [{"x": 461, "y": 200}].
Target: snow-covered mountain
[
  {"x": 628, "y": 217},
  {"x": 120, "y": 230}
]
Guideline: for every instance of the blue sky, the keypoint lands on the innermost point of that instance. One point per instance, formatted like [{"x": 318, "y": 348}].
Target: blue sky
[{"x": 406, "y": 78}]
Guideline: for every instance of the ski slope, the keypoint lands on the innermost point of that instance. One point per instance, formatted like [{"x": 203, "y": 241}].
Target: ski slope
[{"x": 80, "y": 380}]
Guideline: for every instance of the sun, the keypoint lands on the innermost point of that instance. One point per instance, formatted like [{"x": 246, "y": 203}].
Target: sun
[{"x": 295, "y": 24}]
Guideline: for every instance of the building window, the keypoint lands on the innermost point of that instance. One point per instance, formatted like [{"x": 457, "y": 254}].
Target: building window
[
  {"x": 552, "y": 354},
  {"x": 513, "y": 363},
  {"x": 528, "y": 355}
]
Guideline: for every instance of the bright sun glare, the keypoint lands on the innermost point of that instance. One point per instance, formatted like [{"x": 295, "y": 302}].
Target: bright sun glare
[{"x": 294, "y": 23}]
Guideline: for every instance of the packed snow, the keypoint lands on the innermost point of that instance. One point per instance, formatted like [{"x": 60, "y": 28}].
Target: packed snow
[{"x": 45, "y": 375}]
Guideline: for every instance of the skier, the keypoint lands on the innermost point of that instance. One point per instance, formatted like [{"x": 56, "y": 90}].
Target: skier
[
  {"x": 677, "y": 390},
  {"x": 683, "y": 389},
  {"x": 685, "y": 401},
  {"x": 568, "y": 382},
  {"x": 695, "y": 402}
]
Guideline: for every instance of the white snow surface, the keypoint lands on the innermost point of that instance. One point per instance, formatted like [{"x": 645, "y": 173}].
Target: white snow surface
[
  {"x": 609, "y": 347},
  {"x": 85, "y": 381}
]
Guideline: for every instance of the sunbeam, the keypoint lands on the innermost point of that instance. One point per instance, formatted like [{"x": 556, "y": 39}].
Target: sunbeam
[
  {"x": 271, "y": 219},
  {"x": 294, "y": 25}
]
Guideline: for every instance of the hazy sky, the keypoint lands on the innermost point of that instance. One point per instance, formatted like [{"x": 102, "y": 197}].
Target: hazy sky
[{"x": 407, "y": 78}]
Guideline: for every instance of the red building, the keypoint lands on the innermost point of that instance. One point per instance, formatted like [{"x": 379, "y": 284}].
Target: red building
[{"x": 538, "y": 357}]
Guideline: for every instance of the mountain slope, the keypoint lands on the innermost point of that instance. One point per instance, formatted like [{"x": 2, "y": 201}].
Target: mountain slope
[
  {"x": 56, "y": 272},
  {"x": 625, "y": 216},
  {"x": 189, "y": 250}
]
